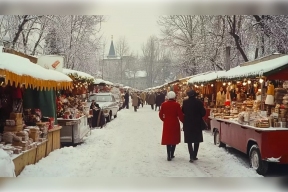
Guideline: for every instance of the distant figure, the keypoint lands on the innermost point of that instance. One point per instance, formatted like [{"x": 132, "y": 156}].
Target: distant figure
[
  {"x": 147, "y": 97},
  {"x": 152, "y": 100},
  {"x": 135, "y": 101},
  {"x": 143, "y": 98},
  {"x": 194, "y": 111},
  {"x": 126, "y": 102},
  {"x": 158, "y": 101},
  {"x": 170, "y": 113}
]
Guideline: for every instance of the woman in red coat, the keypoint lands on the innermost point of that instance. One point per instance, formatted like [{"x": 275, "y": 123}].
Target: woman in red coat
[{"x": 170, "y": 113}]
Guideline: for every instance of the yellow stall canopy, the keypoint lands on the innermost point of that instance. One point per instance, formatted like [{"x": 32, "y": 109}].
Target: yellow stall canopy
[{"x": 20, "y": 70}]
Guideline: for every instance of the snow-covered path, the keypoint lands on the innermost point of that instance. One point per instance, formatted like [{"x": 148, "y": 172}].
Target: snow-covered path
[{"x": 129, "y": 146}]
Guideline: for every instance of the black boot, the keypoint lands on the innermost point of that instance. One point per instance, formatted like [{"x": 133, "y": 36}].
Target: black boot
[
  {"x": 190, "y": 148},
  {"x": 168, "y": 152},
  {"x": 195, "y": 152},
  {"x": 172, "y": 151}
]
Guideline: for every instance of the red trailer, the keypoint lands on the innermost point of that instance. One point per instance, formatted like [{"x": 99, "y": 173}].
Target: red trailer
[{"x": 262, "y": 145}]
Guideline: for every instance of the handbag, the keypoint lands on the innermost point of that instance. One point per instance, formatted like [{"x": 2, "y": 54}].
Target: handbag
[{"x": 204, "y": 125}]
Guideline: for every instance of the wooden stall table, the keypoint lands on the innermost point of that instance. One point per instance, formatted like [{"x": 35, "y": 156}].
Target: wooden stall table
[
  {"x": 41, "y": 150},
  {"x": 53, "y": 139},
  {"x": 25, "y": 158}
]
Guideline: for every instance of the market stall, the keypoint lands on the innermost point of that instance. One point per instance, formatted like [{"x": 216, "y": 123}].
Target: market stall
[
  {"x": 254, "y": 116},
  {"x": 209, "y": 88},
  {"x": 73, "y": 113},
  {"x": 24, "y": 123}
]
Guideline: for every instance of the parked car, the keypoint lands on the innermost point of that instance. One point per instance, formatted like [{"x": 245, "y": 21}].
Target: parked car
[
  {"x": 118, "y": 100},
  {"x": 106, "y": 102}
]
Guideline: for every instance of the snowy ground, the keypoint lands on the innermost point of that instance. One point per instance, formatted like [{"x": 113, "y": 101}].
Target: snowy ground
[{"x": 129, "y": 146}]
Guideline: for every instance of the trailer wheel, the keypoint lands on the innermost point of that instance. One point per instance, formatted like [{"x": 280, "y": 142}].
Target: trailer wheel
[
  {"x": 256, "y": 161},
  {"x": 217, "y": 139}
]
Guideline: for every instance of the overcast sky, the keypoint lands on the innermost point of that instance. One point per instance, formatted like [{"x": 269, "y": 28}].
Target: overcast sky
[{"x": 135, "y": 27}]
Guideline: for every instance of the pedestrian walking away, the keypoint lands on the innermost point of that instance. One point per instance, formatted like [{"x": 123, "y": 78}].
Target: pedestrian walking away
[
  {"x": 194, "y": 111},
  {"x": 158, "y": 101},
  {"x": 152, "y": 100},
  {"x": 170, "y": 113},
  {"x": 135, "y": 101},
  {"x": 126, "y": 97}
]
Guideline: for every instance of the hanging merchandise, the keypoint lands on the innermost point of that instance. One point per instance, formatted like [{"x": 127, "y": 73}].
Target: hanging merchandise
[
  {"x": 228, "y": 98},
  {"x": 270, "y": 95}
]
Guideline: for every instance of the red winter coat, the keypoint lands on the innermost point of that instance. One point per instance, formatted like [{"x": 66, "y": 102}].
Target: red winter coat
[{"x": 170, "y": 114}]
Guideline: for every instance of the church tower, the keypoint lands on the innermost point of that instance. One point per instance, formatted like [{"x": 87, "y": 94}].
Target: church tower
[
  {"x": 112, "y": 65},
  {"x": 111, "y": 50}
]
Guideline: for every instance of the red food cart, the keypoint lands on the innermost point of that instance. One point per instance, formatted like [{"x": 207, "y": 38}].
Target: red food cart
[{"x": 262, "y": 145}]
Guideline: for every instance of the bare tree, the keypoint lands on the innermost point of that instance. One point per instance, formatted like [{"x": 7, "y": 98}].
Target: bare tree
[
  {"x": 197, "y": 39},
  {"x": 22, "y": 21},
  {"x": 122, "y": 49},
  {"x": 150, "y": 55}
]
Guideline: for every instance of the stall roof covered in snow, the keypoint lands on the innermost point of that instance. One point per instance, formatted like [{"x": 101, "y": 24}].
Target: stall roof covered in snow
[
  {"x": 24, "y": 67},
  {"x": 206, "y": 77},
  {"x": 108, "y": 83},
  {"x": 258, "y": 69},
  {"x": 79, "y": 73},
  {"x": 98, "y": 81}
]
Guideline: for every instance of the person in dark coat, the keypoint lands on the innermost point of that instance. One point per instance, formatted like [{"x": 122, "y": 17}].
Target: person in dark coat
[
  {"x": 126, "y": 102},
  {"x": 194, "y": 111},
  {"x": 158, "y": 101},
  {"x": 170, "y": 113},
  {"x": 97, "y": 119},
  {"x": 163, "y": 95}
]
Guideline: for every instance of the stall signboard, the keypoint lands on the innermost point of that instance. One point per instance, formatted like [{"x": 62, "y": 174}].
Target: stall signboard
[{"x": 52, "y": 62}]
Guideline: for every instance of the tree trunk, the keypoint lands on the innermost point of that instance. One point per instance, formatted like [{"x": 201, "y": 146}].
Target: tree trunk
[
  {"x": 20, "y": 29},
  {"x": 256, "y": 53},
  {"x": 238, "y": 45},
  {"x": 37, "y": 43}
]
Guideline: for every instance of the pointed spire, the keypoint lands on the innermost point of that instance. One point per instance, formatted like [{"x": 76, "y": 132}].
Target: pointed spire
[{"x": 111, "y": 50}]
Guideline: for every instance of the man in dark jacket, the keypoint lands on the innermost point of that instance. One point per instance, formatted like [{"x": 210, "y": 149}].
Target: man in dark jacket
[
  {"x": 194, "y": 111},
  {"x": 126, "y": 102},
  {"x": 158, "y": 101}
]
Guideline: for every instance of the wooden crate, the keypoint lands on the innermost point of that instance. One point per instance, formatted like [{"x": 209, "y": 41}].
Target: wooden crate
[
  {"x": 41, "y": 151},
  {"x": 49, "y": 143}
]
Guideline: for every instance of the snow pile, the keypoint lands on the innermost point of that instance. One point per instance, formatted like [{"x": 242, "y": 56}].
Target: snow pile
[
  {"x": 272, "y": 159},
  {"x": 141, "y": 74},
  {"x": 22, "y": 66},
  {"x": 137, "y": 74},
  {"x": 6, "y": 165},
  {"x": 129, "y": 146},
  {"x": 79, "y": 73}
]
